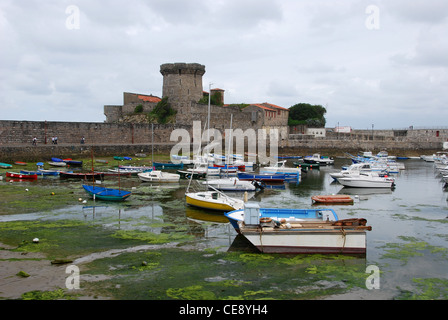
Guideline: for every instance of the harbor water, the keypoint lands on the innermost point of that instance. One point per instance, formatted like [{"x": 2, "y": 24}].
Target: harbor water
[{"x": 155, "y": 247}]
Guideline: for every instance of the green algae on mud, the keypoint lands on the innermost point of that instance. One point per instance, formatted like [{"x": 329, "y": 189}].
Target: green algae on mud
[
  {"x": 426, "y": 289},
  {"x": 28, "y": 198},
  {"x": 58, "y": 239},
  {"x": 412, "y": 247},
  {"x": 223, "y": 275}
]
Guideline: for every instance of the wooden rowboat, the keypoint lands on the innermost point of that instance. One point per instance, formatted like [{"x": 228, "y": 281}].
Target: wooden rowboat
[{"x": 333, "y": 199}]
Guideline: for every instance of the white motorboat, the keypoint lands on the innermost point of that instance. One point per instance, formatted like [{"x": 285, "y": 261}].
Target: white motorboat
[
  {"x": 354, "y": 169},
  {"x": 230, "y": 184},
  {"x": 57, "y": 164},
  {"x": 367, "y": 180},
  {"x": 158, "y": 176},
  {"x": 428, "y": 158},
  {"x": 280, "y": 168},
  {"x": 204, "y": 168},
  {"x": 317, "y": 158}
]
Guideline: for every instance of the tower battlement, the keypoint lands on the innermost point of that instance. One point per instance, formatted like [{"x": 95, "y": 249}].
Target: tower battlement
[{"x": 182, "y": 82}]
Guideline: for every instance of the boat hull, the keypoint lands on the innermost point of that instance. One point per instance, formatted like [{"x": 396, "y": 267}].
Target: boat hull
[
  {"x": 160, "y": 165},
  {"x": 107, "y": 194},
  {"x": 157, "y": 176},
  {"x": 57, "y": 164},
  {"x": 266, "y": 178},
  {"x": 209, "y": 203},
  {"x": 332, "y": 199},
  {"x": 357, "y": 183},
  {"x": 68, "y": 175},
  {"x": 21, "y": 176},
  {"x": 5, "y": 165},
  {"x": 308, "y": 242},
  {"x": 232, "y": 184},
  {"x": 339, "y": 237}
]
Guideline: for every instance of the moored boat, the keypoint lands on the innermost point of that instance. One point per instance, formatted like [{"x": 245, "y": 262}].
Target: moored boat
[
  {"x": 231, "y": 184},
  {"x": 41, "y": 172},
  {"x": 73, "y": 163},
  {"x": 187, "y": 174},
  {"x": 213, "y": 200},
  {"x": 17, "y": 175},
  {"x": 266, "y": 178},
  {"x": 280, "y": 168},
  {"x": 158, "y": 176},
  {"x": 277, "y": 214},
  {"x": 108, "y": 194},
  {"x": 305, "y": 237},
  {"x": 168, "y": 165},
  {"x": 305, "y": 165},
  {"x": 367, "y": 180},
  {"x": 57, "y": 163},
  {"x": 332, "y": 199},
  {"x": 20, "y": 163},
  {"x": 317, "y": 158},
  {"x": 5, "y": 165},
  {"x": 81, "y": 175}
]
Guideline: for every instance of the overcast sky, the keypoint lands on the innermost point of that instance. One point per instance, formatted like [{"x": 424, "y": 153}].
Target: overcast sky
[{"x": 381, "y": 63}]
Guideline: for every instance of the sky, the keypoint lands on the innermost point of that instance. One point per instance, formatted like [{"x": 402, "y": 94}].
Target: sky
[{"x": 380, "y": 64}]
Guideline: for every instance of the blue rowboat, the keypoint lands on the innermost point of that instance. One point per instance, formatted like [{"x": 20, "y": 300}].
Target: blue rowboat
[
  {"x": 272, "y": 178},
  {"x": 56, "y": 160},
  {"x": 73, "y": 163},
  {"x": 279, "y": 214},
  {"x": 108, "y": 194},
  {"x": 41, "y": 172}
]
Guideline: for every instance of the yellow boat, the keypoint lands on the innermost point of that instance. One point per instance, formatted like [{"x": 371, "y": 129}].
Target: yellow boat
[{"x": 213, "y": 200}]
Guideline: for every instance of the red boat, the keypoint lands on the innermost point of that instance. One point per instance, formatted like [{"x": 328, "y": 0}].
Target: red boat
[
  {"x": 21, "y": 175},
  {"x": 333, "y": 199}
]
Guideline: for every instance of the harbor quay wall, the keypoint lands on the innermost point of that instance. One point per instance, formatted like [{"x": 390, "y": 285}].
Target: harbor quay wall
[
  {"x": 22, "y": 132},
  {"x": 110, "y": 139},
  {"x": 10, "y": 154}
]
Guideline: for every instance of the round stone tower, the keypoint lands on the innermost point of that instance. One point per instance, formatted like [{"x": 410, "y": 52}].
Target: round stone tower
[{"x": 182, "y": 82}]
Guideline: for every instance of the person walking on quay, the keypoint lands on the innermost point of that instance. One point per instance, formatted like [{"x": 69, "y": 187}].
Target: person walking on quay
[
  {"x": 34, "y": 141},
  {"x": 83, "y": 140}
]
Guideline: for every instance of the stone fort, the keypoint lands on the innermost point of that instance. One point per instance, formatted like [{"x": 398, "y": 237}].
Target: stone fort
[
  {"x": 126, "y": 131},
  {"x": 182, "y": 85}
]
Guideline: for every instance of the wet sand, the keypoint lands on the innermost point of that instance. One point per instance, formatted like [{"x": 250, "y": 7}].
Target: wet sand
[{"x": 43, "y": 275}]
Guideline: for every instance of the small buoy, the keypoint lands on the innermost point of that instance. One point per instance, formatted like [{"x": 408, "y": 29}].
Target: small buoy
[
  {"x": 52, "y": 193},
  {"x": 85, "y": 201},
  {"x": 80, "y": 199},
  {"x": 26, "y": 190},
  {"x": 36, "y": 240}
]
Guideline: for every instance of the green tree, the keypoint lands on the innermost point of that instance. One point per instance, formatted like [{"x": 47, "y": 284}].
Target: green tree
[
  {"x": 163, "y": 111},
  {"x": 215, "y": 99},
  {"x": 305, "y": 113}
]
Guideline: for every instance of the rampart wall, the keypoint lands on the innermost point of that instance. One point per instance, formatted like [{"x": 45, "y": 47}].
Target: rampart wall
[{"x": 130, "y": 138}]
